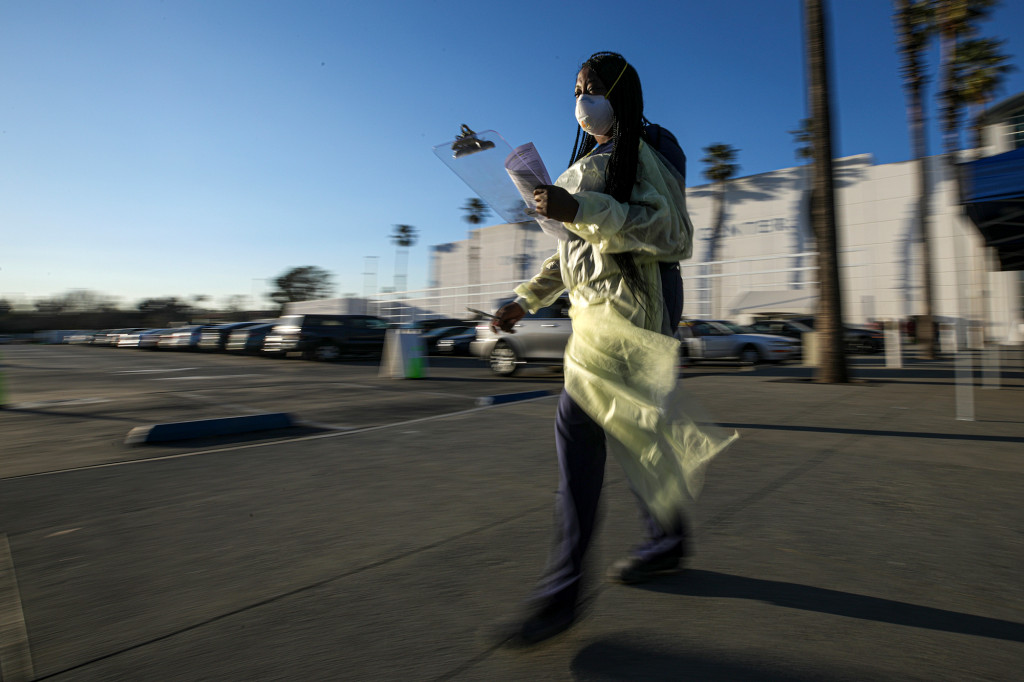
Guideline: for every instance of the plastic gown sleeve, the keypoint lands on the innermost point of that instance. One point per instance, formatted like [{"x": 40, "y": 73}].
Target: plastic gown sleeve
[
  {"x": 545, "y": 287},
  {"x": 654, "y": 223}
]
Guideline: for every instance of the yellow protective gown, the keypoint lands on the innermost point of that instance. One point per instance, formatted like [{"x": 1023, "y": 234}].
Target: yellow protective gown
[{"x": 618, "y": 366}]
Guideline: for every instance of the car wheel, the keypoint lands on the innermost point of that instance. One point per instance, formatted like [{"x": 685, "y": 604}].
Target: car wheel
[
  {"x": 749, "y": 355},
  {"x": 326, "y": 352},
  {"x": 503, "y": 359}
]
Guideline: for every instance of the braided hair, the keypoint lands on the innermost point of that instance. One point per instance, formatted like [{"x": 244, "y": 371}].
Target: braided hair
[{"x": 627, "y": 102}]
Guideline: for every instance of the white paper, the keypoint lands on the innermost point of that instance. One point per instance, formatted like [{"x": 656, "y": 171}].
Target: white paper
[{"x": 527, "y": 170}]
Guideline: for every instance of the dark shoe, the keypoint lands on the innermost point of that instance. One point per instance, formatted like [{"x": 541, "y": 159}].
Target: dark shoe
[
  {"x": 638, "y": 570},
  {"x": 546, "y": 622}
]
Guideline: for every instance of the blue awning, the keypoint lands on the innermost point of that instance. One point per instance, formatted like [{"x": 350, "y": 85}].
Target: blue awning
[{"x": 993, "y": 194}]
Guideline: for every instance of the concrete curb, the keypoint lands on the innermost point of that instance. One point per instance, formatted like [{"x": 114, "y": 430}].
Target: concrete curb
[
  {"x": 206, "y": 428},
  {"x": 511, "y": 397}
]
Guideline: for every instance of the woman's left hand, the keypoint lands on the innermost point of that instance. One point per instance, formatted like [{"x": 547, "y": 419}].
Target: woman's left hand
[{"x": 554, "y": 202}]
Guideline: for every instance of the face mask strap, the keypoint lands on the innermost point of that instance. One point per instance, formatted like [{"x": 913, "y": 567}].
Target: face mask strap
[{"x": 624, "y": 66}]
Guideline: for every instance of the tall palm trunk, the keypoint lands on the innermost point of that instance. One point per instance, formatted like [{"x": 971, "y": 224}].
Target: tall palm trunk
[
  {"x": 716, "y": 237},
  {"x": 719, "y": 158},
  {"x": 912, "y": 39},
  {"x": 828, "y": 325},
  {"x": 925, "y": 330}
]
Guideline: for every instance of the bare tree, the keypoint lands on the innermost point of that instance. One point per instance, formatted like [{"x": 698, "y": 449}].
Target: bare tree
[
  {"x": 77, "y": 301},
  {"x": 305, "y": 283}
]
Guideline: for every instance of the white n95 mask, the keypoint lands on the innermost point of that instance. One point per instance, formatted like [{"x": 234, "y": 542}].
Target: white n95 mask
[{"x": 594, "y": 113}]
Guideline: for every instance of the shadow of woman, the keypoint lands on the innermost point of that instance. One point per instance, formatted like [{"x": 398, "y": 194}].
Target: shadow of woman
[{"x": 698, "y": 583}]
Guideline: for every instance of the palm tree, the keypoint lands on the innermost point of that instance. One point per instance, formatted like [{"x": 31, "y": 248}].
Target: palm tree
[
  {"x": 403, "y": 236},
  {"x": 476, "y": 211},
  {"x": 981, "y": 69},
  {"x": 803, "y": 138},
  {"x": 955, "y": 20},
  {"x": 720, "y": 169},
  {"x": 967, "y": 78},
  {"x": 914, "y": 25},
  {"x": 828, "y": 326}
]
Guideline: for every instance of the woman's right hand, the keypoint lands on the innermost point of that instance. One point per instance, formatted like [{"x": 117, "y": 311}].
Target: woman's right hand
[{"x": 506, "y": 317}]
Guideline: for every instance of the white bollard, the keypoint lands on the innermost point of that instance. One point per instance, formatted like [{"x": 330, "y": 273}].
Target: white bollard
[
  {"x": 964, "y": 383},
  {"x": 404, "y": 356},
  {"x": 893, "y": 345},
  {"x": 990, "y": 361}
]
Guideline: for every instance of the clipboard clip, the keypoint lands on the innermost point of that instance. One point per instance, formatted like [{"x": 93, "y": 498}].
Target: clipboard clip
[{"x": 467, "y": 143}]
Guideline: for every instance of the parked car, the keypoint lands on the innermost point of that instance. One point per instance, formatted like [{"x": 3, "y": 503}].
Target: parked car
[
  {"x": 432, "y": 337},
  {"x": 181, "y": 338},
  {"x": 249, "y": 339},
  {"x": 790, "y": 328},
  {"x": 326, "y": 337},
  {"x": 713, "y": 340},
  {"x": 861, "y": 340},
  {"x": 110, "y": 337},
  {"x": 856, "y": 339},
  {"x": 457, "y": 344},
  {"x": 82, "y": 337},
  {"x": 146, "y": 338},
  {"x": 216, "y": 338},
  {"x": 539, "y": 337},
  {"x": 434, "y": 323}
]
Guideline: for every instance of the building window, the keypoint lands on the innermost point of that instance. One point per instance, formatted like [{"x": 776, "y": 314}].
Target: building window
[{"x": 1015, "y": 131}]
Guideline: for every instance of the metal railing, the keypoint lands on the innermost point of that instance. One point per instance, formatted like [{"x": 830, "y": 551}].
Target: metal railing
[{"x": 699, "y": 281}]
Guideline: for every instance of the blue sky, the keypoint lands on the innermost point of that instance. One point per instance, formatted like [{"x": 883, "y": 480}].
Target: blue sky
[{"x": 185, "y": 147}]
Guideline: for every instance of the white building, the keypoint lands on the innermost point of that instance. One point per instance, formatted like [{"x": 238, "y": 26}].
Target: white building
[{"x": 766, "y": 260}]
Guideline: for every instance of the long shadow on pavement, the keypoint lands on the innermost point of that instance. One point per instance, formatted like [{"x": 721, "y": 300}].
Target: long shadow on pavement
[
  {"x": 611, "y": 659},
  {"x": 700, "y": 583},
  {"x": 870, "y": 432}
]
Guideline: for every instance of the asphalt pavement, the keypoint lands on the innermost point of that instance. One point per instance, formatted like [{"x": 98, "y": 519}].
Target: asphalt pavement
[{"x": 854, "y": 532}]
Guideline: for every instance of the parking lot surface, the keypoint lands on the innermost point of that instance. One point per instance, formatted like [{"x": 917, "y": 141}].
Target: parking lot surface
[{"x": 853, "y": 532}]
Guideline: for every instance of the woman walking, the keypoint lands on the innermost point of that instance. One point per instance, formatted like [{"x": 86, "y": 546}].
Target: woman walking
[{"x": 625, "y": 208}]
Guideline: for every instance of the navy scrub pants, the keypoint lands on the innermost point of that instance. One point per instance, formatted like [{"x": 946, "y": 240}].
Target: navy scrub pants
[{"x": 580, "y": 442}]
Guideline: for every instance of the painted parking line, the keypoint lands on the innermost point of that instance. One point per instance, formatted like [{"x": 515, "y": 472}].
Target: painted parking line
[
  {"x": 503, "y": 398},
  {"x": 154, "y": 371},
  {"x": 15, "y": 656},
  {"x": 325, "y": 427},
  {"x": 205, "y": 377},
  {"x": 56, "y": 403}
]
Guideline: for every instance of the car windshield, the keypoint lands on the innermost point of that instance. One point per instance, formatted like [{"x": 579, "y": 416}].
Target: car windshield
[
  {"x": 738, "y": 328},
  {"x": 721, "y": 327}
]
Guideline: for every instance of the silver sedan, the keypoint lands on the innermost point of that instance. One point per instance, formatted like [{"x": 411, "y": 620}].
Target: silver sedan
[{"x": 716, "y": 340}]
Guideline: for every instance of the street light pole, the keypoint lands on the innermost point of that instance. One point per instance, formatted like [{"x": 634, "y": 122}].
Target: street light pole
[{"x": 254, "y": 302}]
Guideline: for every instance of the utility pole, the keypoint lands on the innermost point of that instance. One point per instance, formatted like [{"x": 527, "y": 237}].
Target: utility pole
[{"x": 370, "y": 276}]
